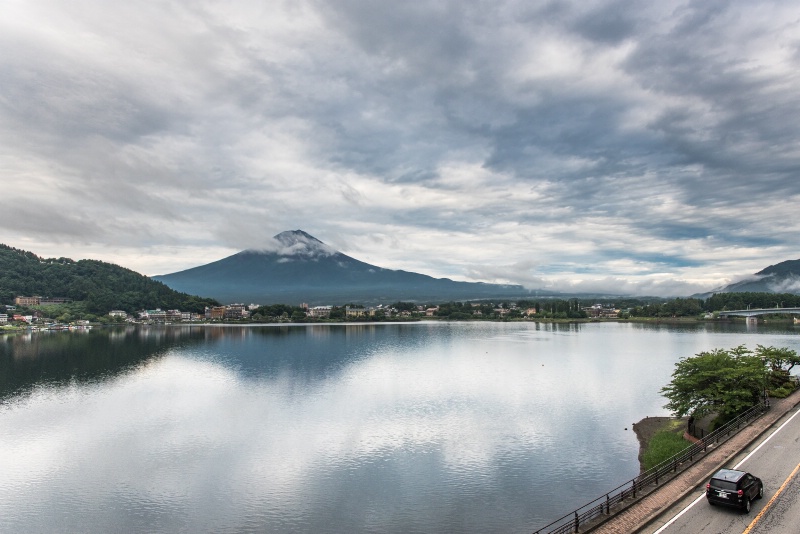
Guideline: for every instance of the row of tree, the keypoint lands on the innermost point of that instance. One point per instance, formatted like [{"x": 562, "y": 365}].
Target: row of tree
[
  {"x": 573, "y": 308},
  {"x": 688, "y": 307}
]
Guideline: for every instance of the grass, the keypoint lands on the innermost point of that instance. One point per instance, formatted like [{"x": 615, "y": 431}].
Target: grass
[{"x": 664, "y": 445}]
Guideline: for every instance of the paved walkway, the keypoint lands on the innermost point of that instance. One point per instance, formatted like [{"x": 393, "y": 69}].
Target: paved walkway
[{"x": 641, "y": 513}]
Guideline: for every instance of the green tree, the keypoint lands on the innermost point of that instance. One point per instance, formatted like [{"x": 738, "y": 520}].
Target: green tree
[
  {"x": 779, "y": 361},
  {"x": 720, "y": 381}
]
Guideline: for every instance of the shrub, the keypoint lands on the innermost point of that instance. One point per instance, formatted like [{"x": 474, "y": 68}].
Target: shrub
[
  {"x": 780, "y": 393},
  {"x": 663, "y": 446}
]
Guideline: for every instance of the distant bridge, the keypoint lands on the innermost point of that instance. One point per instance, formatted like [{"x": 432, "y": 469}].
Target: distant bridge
[{"x": 752, "y": 312}]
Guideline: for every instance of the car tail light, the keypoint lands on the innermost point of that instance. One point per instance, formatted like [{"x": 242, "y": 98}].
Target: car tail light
[
  {"x": 708, "y": 486},
  {"x": 740, "y": 493}
]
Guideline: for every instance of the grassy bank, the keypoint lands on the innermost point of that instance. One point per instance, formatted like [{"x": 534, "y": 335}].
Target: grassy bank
[{"x": 660, "y": 438}]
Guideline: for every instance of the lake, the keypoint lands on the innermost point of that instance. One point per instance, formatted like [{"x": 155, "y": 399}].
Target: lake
[{"x": 415, "y": 427}]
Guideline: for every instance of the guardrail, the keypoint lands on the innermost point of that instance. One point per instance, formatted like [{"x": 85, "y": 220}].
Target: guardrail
[{"x": 572, "y": 522}]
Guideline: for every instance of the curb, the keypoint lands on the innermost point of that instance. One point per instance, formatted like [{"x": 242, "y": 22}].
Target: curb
[
  {"x": 620, "y": 523},
  {"x": 699, "y": 480}
]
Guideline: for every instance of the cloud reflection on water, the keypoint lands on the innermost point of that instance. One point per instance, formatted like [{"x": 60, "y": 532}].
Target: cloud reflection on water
[{"x": 390, "y": 428}]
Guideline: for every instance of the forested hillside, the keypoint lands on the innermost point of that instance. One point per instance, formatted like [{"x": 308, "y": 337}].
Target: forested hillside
[{"x": 101, "y": 286}]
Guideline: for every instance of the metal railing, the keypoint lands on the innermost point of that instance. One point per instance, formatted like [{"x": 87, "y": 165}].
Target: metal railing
[{"x": 571, "y": 522}]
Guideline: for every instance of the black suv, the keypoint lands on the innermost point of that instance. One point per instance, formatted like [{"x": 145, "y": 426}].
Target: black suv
[{"x": 734, "y": 488}]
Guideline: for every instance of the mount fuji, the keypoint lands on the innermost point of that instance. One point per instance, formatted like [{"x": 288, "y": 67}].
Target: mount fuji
[{"x": 301, "y": 268}]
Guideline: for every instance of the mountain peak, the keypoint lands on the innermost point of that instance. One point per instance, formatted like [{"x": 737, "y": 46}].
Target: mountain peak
[
  {"x": 789, "y": 267},
  {"x": 300, "y": 243},
  {"x": 292, "y": 237}
]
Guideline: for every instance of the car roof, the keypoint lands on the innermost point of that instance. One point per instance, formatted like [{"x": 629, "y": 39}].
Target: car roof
[{"x": 731, "y": 475}]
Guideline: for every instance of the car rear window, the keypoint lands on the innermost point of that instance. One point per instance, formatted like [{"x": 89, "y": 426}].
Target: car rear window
[{"x": 723, "y": 484}]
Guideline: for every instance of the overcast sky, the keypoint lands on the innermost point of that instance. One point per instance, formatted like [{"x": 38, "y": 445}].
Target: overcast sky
[{"x": 630, "y": 147}]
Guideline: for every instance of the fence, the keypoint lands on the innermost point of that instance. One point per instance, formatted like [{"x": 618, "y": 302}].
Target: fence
[{"x": 603, "y": 505}]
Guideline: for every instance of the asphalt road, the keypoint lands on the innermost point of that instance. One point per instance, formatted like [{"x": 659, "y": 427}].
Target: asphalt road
[{"x": 776, "y": 460}]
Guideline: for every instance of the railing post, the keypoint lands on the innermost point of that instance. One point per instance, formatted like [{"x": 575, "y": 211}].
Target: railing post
[{"x": 655, "y": 473}]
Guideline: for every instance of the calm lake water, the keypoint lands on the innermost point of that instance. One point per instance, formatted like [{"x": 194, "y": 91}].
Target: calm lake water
[{"x": 424, "y": 427}]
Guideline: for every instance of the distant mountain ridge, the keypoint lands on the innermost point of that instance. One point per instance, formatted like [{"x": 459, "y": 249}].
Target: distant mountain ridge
[
  {"x": 302, "y": 268},
  {"x": 783, "y": 277}
]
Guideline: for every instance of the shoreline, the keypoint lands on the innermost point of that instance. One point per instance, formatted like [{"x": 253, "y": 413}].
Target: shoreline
[{"x": 648, "y": 427}]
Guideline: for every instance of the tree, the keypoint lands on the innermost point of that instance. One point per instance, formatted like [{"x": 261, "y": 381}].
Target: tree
[
  {"x": 721, "y": 381},
  {"x": 780, "y": 360}
]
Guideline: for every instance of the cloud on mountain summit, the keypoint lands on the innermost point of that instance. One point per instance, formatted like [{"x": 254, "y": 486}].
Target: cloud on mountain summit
[{"x": 648, "y": 147}]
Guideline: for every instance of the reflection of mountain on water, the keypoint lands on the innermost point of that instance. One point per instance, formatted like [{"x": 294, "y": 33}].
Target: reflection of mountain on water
[
  {"x": 62, "y": 357},
  {"x": 306, "y": 352},
  {"x": 301, "y": 352}
]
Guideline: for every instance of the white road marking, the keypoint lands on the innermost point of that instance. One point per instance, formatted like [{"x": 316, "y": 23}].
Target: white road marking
[{"x": 701, "y": 497}]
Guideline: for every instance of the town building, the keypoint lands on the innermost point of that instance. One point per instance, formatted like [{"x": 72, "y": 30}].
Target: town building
[
  {"x": 597, "y": 310},
  {"x": 51, "y": 301},
  {"x": 158, "y": 315},
  {"x": 354, "y": 312},
  {"x": 215, "y": 313},
  {"x": 173, "y": 316},
  {"x": 40, "y": 301},
  {"x": 319, "y": 311}
]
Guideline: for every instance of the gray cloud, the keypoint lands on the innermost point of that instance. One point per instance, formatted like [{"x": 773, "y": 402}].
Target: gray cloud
[{"x": 583, "y": 144}]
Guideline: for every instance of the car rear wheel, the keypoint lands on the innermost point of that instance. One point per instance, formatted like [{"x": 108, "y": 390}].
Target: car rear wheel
[
  {"x": 760, "y": 491},
  {"x": 747, "y": 505}
]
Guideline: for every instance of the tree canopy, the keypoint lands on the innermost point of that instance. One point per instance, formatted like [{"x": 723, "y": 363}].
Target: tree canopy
[{"x": 719, "y": 381}]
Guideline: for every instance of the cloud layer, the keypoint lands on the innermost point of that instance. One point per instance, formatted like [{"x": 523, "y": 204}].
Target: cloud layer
[{"x": 594, "y": 145}]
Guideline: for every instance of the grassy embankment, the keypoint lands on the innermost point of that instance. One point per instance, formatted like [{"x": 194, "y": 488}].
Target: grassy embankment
[{"x": 664, "y": 444}]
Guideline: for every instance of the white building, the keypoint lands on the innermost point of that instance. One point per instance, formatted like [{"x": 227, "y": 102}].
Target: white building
[{"x": 319, "y": 311}]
